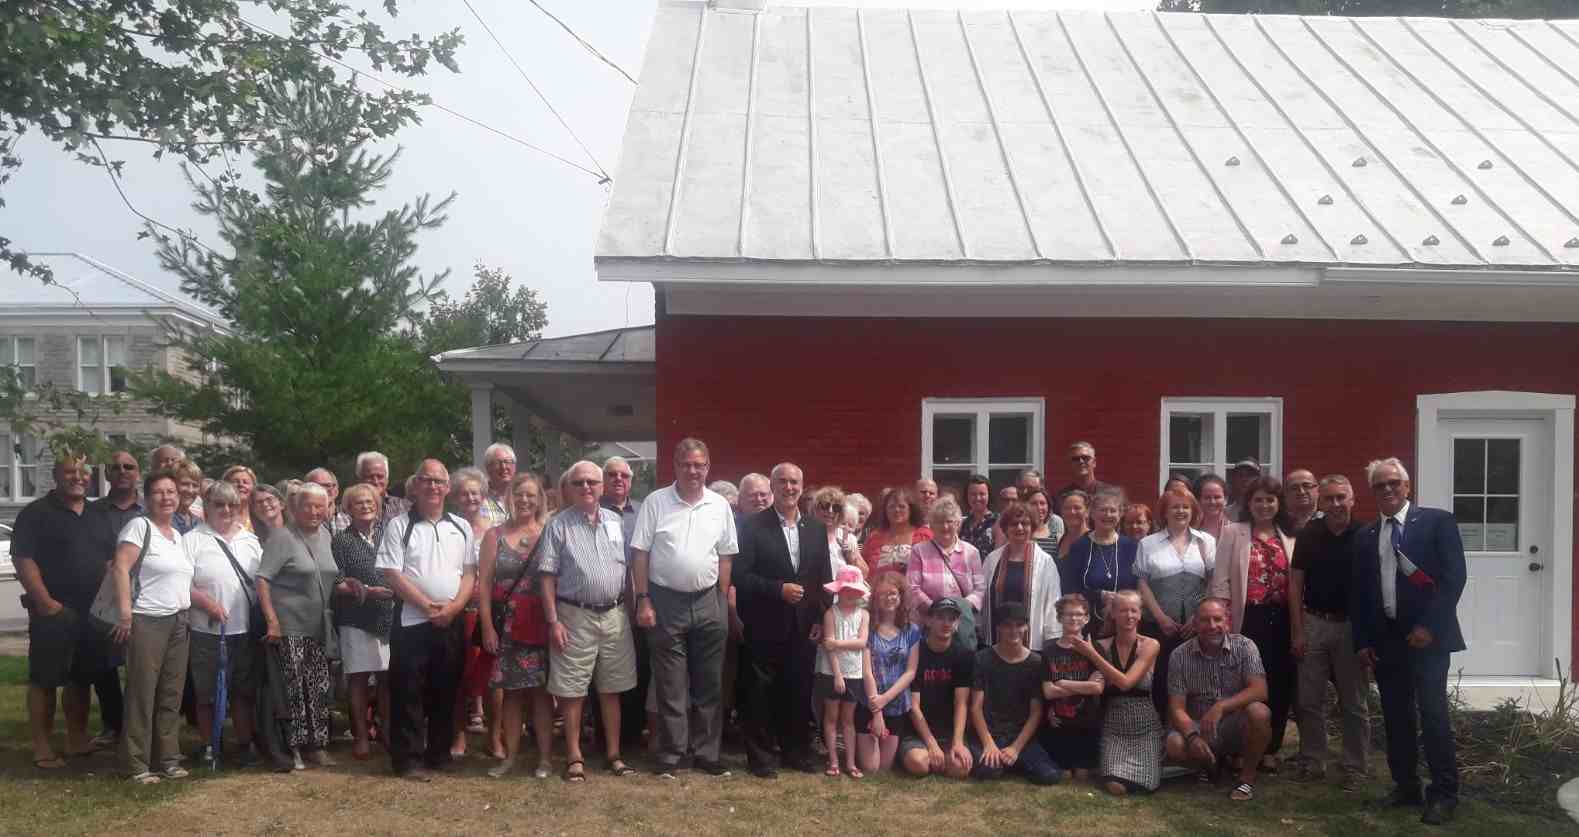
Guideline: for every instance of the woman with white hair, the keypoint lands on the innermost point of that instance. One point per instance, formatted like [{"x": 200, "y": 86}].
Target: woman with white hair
[
  {"x": 363, "y": 619},
  {"x": 947, "y": 566},
  {"x": 296, "y": 581}
]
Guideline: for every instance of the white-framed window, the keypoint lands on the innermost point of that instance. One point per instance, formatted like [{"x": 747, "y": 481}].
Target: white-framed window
[
  {"x": 20, "y": 354},
  {"x": 101, "y": 364},
  {"x": 995, "y": 437},
  {"x": 18, "y": 466},
  {"x": 1208, "y": 435}
]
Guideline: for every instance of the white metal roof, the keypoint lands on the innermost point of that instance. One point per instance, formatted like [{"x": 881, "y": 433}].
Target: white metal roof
[{"x": 837, "y": 136}]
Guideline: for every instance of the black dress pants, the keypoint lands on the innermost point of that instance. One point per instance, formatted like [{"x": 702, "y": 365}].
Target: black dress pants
[
  {"x": 781, "y": 681},
  {"x": 1268, "y": 626},
  {"x": 1413, "y": 679},
  {"x": 425, "y": 667}
]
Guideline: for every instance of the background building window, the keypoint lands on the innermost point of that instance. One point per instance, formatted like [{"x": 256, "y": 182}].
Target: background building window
[
  {"x": 1201, "y": 435},
  {"x": 18, "y": 467},
  {"x": 101, "y": 364},
  {"x": 18, "y": 353},
  {"x": 997, "y": 437}
]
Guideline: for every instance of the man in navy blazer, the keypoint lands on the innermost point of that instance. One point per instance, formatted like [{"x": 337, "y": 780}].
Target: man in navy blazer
[
  {"x": 1409, "y": 572},
  {"x": 779, "y": 577}
]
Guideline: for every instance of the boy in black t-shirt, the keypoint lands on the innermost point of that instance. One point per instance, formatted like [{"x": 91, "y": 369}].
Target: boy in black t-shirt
[
  {"x": 940, "y": 700},
  {"x": 1006, "y": 704}
]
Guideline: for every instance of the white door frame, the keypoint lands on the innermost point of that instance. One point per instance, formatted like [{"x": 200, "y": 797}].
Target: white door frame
[{"x": 1431, "y": 487}]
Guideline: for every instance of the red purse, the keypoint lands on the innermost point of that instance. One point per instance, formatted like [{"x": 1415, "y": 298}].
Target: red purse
[{"x": 529, "y": 624}]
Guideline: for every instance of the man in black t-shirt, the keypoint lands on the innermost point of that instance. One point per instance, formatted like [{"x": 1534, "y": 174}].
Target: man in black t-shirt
[
  {"x": 60, "y": 568},
  {"x": 1006, "y": 704},
  {"x": 1322, "y": 637},
  {"x": 940, "y": 699}
]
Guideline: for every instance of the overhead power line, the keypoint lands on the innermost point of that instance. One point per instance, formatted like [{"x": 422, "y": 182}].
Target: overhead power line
[
  {"x": 580, "y": 40},
  {"x": 535, "y": 89},
  {"x": 601, "y": 176}
]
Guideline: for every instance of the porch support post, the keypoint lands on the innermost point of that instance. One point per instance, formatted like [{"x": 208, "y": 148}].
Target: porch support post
[
  {"x": 520, "y": 434},
  {"x": 482, "y": 420},
  {"x": 553, "y": 458}
]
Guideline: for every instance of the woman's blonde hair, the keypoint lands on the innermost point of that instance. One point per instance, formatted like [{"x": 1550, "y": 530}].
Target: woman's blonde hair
[
  {"x": 542, "y": 497},
  {"x": 356, "y": 491}
]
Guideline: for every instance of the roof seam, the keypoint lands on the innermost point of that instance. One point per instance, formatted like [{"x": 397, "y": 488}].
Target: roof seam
[
  {"x": 1514, "y": 34},
  {"x": 937, "y": 138},
  {"x": 1245, "y": 138},
  {"x": 997, "y": 133},
  {"x": 1402, "y": 117},
  {"x": 676, "y": 193},
  {"x": 814, "y": 196},
  {"x": 1183, "y": 140},
  {"x": 1058, "y": 131},
  {"x": 746, "y": 156},
  {"x": 877, "y": 146},
  {"x": 1134, "y": 160}
]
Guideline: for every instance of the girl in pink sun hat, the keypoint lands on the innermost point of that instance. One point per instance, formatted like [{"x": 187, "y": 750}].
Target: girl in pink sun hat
[{"x": 839, "y": 666}]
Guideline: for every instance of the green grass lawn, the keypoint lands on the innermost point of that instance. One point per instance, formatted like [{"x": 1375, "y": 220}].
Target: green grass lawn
[{"x": 88, "y": 798}]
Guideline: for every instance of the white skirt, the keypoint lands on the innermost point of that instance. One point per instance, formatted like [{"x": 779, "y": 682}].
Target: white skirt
[{"x": 361, "y": 652}]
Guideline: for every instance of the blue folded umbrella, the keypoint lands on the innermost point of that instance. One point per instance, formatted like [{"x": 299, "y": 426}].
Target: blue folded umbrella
[{"x": 221, "y": 701}]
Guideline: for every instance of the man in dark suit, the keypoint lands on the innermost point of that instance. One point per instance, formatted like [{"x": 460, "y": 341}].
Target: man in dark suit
[
  {"x": 779, "y": 577},
  {"x": 1409, "y": 572}
]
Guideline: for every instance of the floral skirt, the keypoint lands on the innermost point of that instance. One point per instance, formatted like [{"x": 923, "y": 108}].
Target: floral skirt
[
  {"x": 519, "y": 666},
  {"x": 309, "y": 692}
]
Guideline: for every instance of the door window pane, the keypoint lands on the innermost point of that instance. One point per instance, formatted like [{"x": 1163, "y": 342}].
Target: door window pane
[
  {"x": 1250, "y": 437},
  {"x": 1190, "y": 438},
  {"x": 1469, "y": 466},
  {"x": 1502, "y": 466},
  {"x": 1470, "y": 512},
  {"x": 1502, "y": 524},
  {"x": 953, "y": 440},
  {"x": 1009, "y": 439}
]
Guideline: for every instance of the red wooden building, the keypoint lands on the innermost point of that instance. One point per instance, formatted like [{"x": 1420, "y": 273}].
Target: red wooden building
[{"x": 892, "y": 243}]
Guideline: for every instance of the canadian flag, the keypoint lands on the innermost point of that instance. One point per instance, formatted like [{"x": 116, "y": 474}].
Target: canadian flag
[{"x": 1414, "y": 574}]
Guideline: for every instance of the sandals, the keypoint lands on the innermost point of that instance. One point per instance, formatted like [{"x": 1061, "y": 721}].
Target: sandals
[
  {"x": 618, "y": 767},
  {"x": 51, "y": 763},
  {"x": 575, "y": 771},
  {"x": 855, "y": 773},
  {"x": 1243, "y": 792},
  {"x": 832, "y": 772}
]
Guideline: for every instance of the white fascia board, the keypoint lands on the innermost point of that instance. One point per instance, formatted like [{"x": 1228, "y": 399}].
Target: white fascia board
[
  {"x": 962, "y": 275},
  {"x": 1451, "y": 277}
]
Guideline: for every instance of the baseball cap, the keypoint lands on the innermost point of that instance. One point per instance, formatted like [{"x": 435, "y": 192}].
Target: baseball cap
[{"x": 943, "y": 607}]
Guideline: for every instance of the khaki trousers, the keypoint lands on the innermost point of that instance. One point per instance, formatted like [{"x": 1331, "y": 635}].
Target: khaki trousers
[{"x": 156, "y": 658}]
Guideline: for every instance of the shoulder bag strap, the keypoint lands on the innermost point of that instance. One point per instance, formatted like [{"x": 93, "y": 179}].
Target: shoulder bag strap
[
  {"x": 317, "y": 576},
  {"x": 137, "y": 567},
  {"x": 959, "y": 587},
  {"x": 246, "y": 580}
]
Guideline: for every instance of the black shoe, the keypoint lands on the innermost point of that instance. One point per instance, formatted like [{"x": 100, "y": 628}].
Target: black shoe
[
  {"x": 804, "y": 766},
  {"x": 664, "y": 771},
  {"x": 1439, "y": 811},
  {"x": 764, "y": 772},
  {"x": 1403, "y": 798},
  {"x": 711, "y": 768}
]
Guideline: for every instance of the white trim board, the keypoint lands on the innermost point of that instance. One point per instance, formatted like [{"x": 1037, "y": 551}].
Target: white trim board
[{"x": 1557, "y": 409}]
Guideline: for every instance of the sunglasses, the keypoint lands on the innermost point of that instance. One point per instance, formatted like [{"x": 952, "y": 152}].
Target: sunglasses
[
  {"x": 123, "y": 466},
  {"x": 585, "y": 483},
  {"x": 1081, "y": 458},
  {"x": 830, "y": 508}
]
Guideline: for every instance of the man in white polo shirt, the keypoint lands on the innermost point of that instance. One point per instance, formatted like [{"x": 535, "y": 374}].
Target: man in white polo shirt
[
  {"x": 430, "y": 560},
  {"x": 682, "y": 546}
]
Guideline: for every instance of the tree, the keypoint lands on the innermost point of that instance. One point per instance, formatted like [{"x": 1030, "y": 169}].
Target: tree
[
  {"x": 1365, "y": 8},
  {"x": 188, "y": 77},
  {"x": 490, "y": 314},
  {"x": 319, "y": 290}
]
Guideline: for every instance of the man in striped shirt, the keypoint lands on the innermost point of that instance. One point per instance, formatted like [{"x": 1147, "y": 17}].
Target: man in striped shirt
[
  {"x": 1217, "y": 698},
  {"x": 582, "y": 564}
]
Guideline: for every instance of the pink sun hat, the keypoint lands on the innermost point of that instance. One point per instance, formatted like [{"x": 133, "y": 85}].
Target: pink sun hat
[{"x": 849, "y": 578}]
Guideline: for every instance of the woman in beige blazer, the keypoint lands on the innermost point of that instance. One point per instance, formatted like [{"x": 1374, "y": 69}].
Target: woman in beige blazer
[{"x": 1255, "y": 558}]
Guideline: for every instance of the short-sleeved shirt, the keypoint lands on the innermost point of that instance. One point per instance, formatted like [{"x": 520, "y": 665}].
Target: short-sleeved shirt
[
  {"x": 627, "y": 515},
  {"x": 938, "y": 674},
  {"x": 1204, "y": 679},
  {"x": 1010, "y": 688},
  {"x": 1156, "y": 558},
  {"x": 163, "y": 583},
  {"x": 588, "y": 557},
  {"x": 685, "y": 540},
  {"x": 1068, "y": 664},
  {"x": 57, "y": 539},
  {"x": 978, "y": 535},
  {"x": 1326, "y": 559},
  {"x": 1267, "y": 571},
  {"x": 434, "y": 558},
  {"x": 301, "y": 573},
  {"x": 890, "y": 658},
  {"x": 213, "y": 575}
]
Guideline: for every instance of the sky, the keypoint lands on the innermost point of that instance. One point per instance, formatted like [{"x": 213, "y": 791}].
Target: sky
[{"x": 515, "y": 209}]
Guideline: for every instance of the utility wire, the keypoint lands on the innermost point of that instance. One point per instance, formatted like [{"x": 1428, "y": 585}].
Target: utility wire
[
  {"x": 580, "y": 40},
  {"x": 601, "y": 176},
  {"x": 536, "y": 89}
]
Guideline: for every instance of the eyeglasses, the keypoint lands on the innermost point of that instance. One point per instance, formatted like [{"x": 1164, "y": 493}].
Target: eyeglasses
[
  {"x": 1389, "y": 485},
  {"x": 1081, "y": 458},
  {"x": 433, "y": 480},
  {"x": 502, "y": 462},
  {"x": 123, "y": 466},
  {"x": 585, "y": 483},
  {"x": 1302, "y": 486}
]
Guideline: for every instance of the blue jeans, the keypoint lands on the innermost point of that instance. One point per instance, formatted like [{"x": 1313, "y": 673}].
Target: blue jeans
[{"x": 1034, "y": 763}]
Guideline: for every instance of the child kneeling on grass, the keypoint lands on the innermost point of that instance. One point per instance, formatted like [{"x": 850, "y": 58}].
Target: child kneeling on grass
[{"x": 1006, "y": 704}]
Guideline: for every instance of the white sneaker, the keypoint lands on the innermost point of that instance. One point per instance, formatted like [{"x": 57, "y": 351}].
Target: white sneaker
[
  {"x": 296, "y": 760},
  {"x": 144, "y": 778},
  {"x": 176, "y": 771}
]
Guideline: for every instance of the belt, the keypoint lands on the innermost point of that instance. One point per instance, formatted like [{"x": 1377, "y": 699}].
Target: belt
[
  {"x": 1328, "y": 615},
  {"x": 595, "y": 608}
]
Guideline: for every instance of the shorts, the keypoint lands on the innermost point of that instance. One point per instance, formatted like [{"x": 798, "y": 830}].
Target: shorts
[
  {"x": 362, "y": 652},
  {"x": 1231, "y": 734},
  {"x": 599, "y": 652},
  {"x": 66, "y": 650},
  {"x": 242, "y": 672},
  {"x": 822, "y": 689}
]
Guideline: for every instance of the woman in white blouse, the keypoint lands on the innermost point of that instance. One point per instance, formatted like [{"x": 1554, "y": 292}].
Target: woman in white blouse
[
  {"x": 1173, "y": 570},
  {"x": 153, "y": 589},
  {"x": 221, "y": 607}
]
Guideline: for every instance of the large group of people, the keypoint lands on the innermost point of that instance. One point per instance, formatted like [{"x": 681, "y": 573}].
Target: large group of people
[{"x": 951, "y": 630}]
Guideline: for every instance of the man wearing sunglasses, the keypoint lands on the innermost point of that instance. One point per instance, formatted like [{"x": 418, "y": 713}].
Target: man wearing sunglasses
[
  {"x": 104, "y": 519},
  {"x": 1082, "y": 471},
  {"x": 1409, "y": 572}
]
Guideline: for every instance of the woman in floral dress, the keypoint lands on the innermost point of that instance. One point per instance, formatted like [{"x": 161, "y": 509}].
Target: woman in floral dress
[{"x": 508, "y": 570}]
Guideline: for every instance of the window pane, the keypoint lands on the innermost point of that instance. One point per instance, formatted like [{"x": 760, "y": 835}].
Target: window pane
[
  {"x": 115, "y": 351},
  {"x": 88, "y": 351},
  {"x": 27, "y": 376},
  {"x": 1470, "y": 512},
  {"x": 1190, "y": 437},
  {"x": 5, "y": 483},
  {"x": 954, "y": 440},
  {"x": 1009, "y": 439},
  {"x": 117, "y": 379},
  {"x": 1502, "y": 466},
  {"x": 24, "y": 351},
  {"x": 29, "y": 480},
  {"x": 1250, "y": 437},
  {"x": 26, "y": 451},
  {"x": 1502, "y": 524},
  {"x": 1469, "y": 466},
  {"x": 6, "y": 356},
  {"x": 952, "y": 479},
  {"x": 1000, "y": 477}
]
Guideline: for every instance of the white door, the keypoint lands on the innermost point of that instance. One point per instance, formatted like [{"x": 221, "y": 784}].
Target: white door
[{"x": 1499, "y": 473}]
